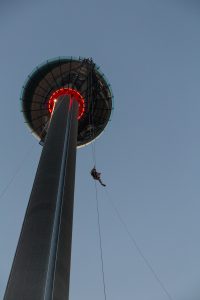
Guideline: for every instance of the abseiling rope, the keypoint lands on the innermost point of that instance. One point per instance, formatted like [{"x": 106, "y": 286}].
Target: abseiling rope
[
  {"x": 21, "y": 164},
  {"x": 91, "y": 119},
  {"x": 100, "y": 242},
  {"x": 93, "y": 148},
  {"x": 137, "y": 247},
  {"x": 17, "y": 170}
]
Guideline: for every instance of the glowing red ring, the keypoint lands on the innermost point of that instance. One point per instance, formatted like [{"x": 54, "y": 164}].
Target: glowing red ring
[{"x": 69, "y": 92}]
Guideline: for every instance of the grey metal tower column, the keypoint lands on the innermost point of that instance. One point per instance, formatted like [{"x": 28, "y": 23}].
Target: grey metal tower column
[{"x": 41, "y": 267}]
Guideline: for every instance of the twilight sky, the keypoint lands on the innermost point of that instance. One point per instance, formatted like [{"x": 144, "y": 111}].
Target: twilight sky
[{"x": 149, "y": 155}]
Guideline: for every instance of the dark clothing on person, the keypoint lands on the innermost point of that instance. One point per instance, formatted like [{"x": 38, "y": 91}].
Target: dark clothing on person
[{"x": 96, "y": 176}]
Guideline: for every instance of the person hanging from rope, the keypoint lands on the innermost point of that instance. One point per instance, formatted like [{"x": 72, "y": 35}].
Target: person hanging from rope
[{"x": 96, "y": 176}]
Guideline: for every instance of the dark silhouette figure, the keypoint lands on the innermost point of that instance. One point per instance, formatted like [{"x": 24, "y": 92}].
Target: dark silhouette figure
[{"x": 96, "y": 176}]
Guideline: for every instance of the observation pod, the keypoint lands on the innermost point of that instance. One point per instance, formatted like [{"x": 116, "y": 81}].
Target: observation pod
[
  {"x": 50, "y": 79},
  {"x": 67, "y": 103}
]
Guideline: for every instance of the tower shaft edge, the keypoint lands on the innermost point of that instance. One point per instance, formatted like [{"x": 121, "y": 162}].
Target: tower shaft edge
[{"x": 41, "y": 266}]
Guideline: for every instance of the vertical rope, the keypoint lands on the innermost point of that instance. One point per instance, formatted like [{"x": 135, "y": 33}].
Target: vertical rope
[
  {"x": 91, "y": 119},
  {"x": 93, "y": 147},
  {"x": 100, "y": 243}
]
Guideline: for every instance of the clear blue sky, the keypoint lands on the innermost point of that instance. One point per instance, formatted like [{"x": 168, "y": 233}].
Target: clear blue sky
[{"x": 149, "y": 155}]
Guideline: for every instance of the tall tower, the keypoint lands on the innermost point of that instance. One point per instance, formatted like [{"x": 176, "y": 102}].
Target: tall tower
[{"x": 67, "y": 103}]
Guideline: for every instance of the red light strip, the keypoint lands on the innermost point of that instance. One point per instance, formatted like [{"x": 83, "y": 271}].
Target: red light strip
[{"x": 69, "y": 92}]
